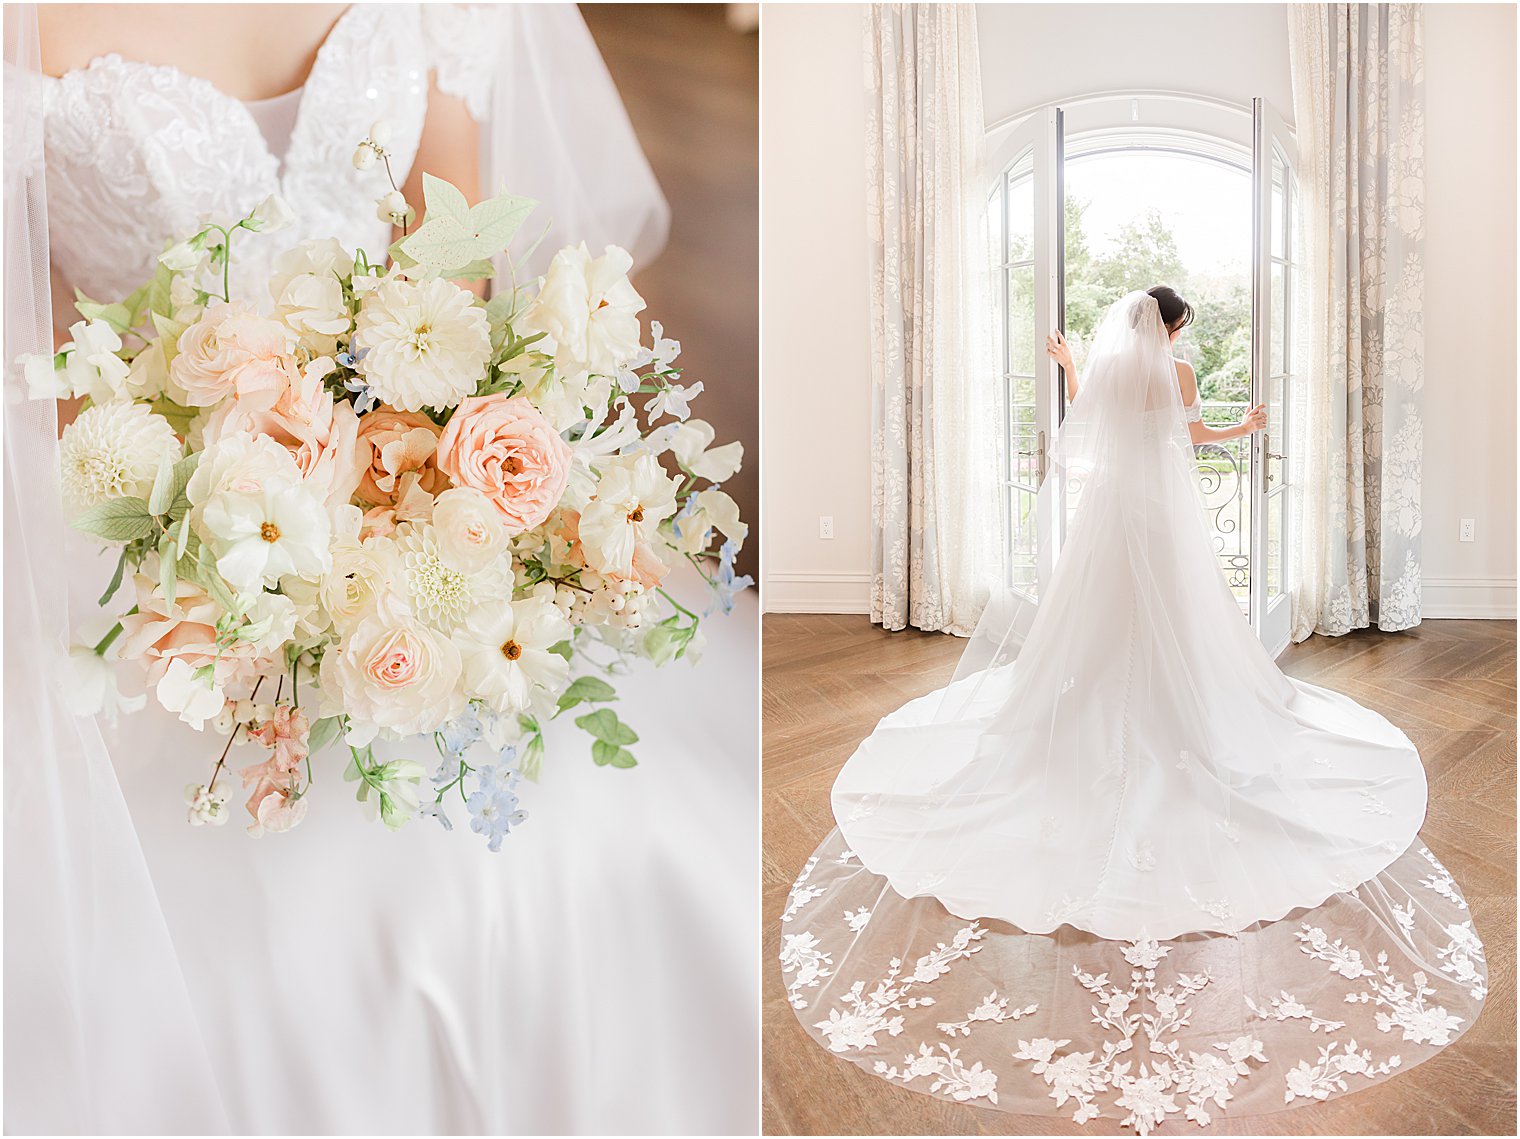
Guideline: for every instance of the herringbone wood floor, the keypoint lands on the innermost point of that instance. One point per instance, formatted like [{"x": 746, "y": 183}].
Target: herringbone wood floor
[{"x": 1449, "y": 684}]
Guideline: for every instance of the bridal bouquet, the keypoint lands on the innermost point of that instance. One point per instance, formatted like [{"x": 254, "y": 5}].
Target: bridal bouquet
[{"x": 388, "y": 510}]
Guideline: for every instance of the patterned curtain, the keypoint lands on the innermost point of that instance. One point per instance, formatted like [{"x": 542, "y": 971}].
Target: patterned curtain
[
  {"x": 933, "y": 505},
  {"x": 1359, "y": 101}
]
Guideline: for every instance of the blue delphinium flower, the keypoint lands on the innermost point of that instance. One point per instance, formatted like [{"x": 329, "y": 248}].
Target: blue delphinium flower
[
  {"x": 726, "y": 586},
  {"x": 493, "y": 806},
  {"x": 462, "y": 732},
  {"x": 434, "y": 810}
]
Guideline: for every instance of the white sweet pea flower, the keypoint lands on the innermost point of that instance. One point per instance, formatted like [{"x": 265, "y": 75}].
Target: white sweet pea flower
[
  {"x": 673, "y": 400},
  {"x": 634, "y": 496},
  {"x": 195, "y": 699},
  {"x": 93, "y": 690},
  {"x": 182, "y": 256},
  {"x": 505, "y": 652},
  {"x": 273, "y": 213},
  {"x": 589, "y": 311},
  {"x": 690, "y": 442},
  {"x": 93, "y": 366},
  {"x": 44, "y": 379},
  {"x": 691, "y": 530},
  {"x": 270, "y": 620}
]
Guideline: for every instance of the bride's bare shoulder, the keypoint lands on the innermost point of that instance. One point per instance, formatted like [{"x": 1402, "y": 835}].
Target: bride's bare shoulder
[{"x": 1186, "y": 380}]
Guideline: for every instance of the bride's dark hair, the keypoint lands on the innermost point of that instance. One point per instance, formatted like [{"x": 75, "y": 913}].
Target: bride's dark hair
[{"x": 1175, "y": 312}]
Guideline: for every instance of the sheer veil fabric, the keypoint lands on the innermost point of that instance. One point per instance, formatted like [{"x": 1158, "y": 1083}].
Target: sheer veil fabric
[
  {"x": 1117, "y": 784},
  {"x": 163, "y": 979}
]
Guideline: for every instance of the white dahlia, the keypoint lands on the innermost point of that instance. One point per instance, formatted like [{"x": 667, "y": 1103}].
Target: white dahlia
[
  {"x": 113, "y": 450},
  {"x": 441, "y": 595},
  {"x": 424, "y": 343}
]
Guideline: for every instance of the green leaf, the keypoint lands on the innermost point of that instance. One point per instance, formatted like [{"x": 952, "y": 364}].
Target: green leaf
[
  {"x": 531, "y": 761},
  {"x": 168, "y": 578},
  {"x": 162, "y": 495},
  {"x": 586, "y": 690},
  {"x": 117, "y": 520},
  {"x": 605, "y": 725},
  {"x": 121, "y": 569},
  {"x": 605, "y": 754},
  {"x": 179, "y": 417},
  {"x": 563, "y": 649},
  {"x": 455, "y": 235},
  {"x": 118, "y": 316},
  {"x": 324, "y": 732}
]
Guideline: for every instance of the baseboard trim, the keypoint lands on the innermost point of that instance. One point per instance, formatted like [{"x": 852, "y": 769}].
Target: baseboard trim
[
  {"x": 827, "y": 591},
  {"x": 821, "y": 591},
  {"x": 1468, "y": 598}
]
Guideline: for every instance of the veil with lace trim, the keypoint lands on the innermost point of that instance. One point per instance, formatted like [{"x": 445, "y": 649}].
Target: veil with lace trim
[{"x": 1120, "y": 799}]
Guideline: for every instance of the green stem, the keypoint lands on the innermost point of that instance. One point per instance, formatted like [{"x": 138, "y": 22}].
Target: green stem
[
  {"x": 679, "y": 607},
  {"x": 105, "y": 642}
]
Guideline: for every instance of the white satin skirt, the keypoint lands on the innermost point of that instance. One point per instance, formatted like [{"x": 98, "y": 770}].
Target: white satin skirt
[{"x": 598, "y": 975}]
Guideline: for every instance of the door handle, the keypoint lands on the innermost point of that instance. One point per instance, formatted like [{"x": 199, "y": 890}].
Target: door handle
[
  {"x": 1038, "y": 454},
  {"x": 1266, "y": 464}
]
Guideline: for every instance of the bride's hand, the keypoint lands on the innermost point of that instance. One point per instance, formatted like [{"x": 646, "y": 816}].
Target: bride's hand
[
  {"x": 1058, "y": 350},
  {"x": 1255, "y": 418}
]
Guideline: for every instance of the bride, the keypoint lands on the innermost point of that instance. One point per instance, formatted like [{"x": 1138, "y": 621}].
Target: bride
[
  {"x": 341, "y": 979},
  {"x": 1136, "y": 870}
]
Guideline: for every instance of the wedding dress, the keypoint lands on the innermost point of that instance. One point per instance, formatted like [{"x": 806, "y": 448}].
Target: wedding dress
[
  {"x": 1137, "y": 870},
  {"x": 343, "y": 978}
]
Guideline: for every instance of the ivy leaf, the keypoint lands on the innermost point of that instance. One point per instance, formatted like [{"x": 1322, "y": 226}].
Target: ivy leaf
[
  {"x": 586, "y": 690},
  {"x": 118, "y": 316},
  {"x": 179, "y": 417},
  {"x": 605, "y": 754},
  {"x": 604, "y": 725},
  {"x": 563, "y": 649},
  {"x": 455, "y": 235},
  {"x": 117, "y": 520}
]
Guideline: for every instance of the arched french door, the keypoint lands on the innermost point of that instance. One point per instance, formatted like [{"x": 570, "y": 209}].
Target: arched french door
[{"x": 1112, "y": 148}]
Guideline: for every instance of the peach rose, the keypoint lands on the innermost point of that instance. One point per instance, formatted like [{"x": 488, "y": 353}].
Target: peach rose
[
  {"x": 232, "y": 350},
  {"x": 392, "y": 444},
  {"x": 320, "y": 433},
  {"x": 159, "y": 633},
  {"x": 502, "y": 447},
  {"x": 401, "y": 676}
]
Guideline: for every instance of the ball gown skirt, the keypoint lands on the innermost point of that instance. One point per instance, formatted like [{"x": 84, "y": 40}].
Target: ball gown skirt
[{"x": 350, "y": 980}]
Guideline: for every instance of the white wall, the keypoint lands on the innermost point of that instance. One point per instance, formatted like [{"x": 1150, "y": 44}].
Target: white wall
[
  {"x": 816, "y": 363},
  {"x": 1470, "y": 308},
  {"x": 815, "y": 347}
]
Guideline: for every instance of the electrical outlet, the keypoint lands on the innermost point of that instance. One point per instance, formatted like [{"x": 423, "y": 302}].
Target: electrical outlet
[
  {"x": 825, "y": 525},
  {"x": 1468, "y": 530}
]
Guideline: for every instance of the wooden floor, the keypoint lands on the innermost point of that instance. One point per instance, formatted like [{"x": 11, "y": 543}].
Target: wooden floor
[
  {"x": 692, "y": 88},
  {"x": 1449, "y": 684}
]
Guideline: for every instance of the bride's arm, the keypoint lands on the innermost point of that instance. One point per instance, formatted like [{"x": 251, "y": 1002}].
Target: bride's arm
[
  {"x": 1060, "y": 351},
  {"x": 450, "y": 149},
  {"x": 1255, "y": 418}
]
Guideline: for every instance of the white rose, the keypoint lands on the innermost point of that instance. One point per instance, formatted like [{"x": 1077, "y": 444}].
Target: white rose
[
  {"x": 589, "y": 310},
  {"x": 690, "y": 442},
  {"x": 397, "y": 675},
  {"x": 313, "y": 305},
  {"x": 468, "y": 529},
  {"x": 324, "y": 257},
  {"x": 195, "y": 699}
]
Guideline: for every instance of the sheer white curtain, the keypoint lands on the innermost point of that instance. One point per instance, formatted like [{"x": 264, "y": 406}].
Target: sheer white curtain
[
  {"x": 933, "y": 407},
  {"x": 1358, "y": 90}
]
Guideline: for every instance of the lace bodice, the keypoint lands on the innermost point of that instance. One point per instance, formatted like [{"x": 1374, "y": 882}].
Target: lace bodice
[
  {"x": 1193, "y": 412},
  {"x": 138, "y": 154}
]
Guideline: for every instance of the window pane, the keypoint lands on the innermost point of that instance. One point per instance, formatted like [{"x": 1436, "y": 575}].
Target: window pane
[
  {"x": 1023, "y": 431},
  {"x": 1021, "y": 329},
  {"x": 1279, "y": 320},
  {"x": 1021, "y": 208},
  {"x": 1277, "y": 505},
  {"x": 1279, "y": 205}
]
